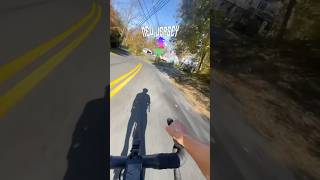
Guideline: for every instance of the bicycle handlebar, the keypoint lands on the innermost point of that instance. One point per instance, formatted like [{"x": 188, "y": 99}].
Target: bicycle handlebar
[
  {"x": 155, "y": 161},
  {"x": 135, "y": 163}
]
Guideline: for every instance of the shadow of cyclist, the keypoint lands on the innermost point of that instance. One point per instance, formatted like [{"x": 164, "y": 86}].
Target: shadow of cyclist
[
  {"x": 137, "y": 124},
  {"x": 88, "y": 150}
]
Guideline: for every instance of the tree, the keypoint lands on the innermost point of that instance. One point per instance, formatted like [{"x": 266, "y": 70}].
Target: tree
[
  {"x": 150, "y": 43},
  {"x": 193, "y": 35},
  {"x": 281, "y": 22},
  {"x": 115, "y": 28},
  {"x": 135, "y": 40},
  {"x": 128, "y": 15},
  {"x": 304, "y": 22},
  {"x": 297, "y": 20}
]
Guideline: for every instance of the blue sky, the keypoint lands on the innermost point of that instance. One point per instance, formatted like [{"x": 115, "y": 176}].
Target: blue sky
[{"x": 167, "y": 15}]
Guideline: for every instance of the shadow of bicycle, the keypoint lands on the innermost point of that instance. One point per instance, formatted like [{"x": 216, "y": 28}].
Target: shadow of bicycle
[{"x": 137, "y": 125}]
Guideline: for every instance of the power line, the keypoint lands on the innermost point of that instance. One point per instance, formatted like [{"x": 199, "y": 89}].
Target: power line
[
  {"x": 145, "y": 5},
  {"x": 157, "y": 19},
  {"x": 142, "y": 9},
  {"x": 154, "y": 10},
  {"x": 153, "y": 20},
  {"x": 150, "y": 15},
  {"x": 156, "y": 15}
]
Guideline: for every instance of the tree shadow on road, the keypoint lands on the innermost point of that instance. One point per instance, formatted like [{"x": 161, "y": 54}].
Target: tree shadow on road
[
  {"x": 88, "y": 151},
  {"x": 120, "y": 51},
  {"x": 137, "y": 125}
]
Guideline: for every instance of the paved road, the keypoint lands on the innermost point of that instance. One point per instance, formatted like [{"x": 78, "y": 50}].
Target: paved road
[
  {"x": 128, "y": 105},
  {"x": 45, "y": 106},
  {"x": 240, "y": 151}
]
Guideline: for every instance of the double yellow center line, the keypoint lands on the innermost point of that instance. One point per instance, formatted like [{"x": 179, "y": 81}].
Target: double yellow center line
[
  {"x": 124, "y": 79},
  {"x": 20, "y": 89}
]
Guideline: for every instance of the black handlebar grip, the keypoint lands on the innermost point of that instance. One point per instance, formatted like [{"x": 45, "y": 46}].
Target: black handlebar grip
[
  {"x": 161, "y": 161},
  {"x": 168, "y": 161}
]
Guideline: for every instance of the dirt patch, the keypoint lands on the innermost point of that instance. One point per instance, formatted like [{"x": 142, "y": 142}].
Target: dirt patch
[
  {"x": 195, "y": 87},
  {"x": 199, "y": 101}
]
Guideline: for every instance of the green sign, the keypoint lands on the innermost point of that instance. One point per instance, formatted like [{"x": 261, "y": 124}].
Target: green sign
[{"x": 158, "y": 52}]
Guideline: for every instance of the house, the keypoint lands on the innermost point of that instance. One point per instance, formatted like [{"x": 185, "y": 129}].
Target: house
[{"x": 250, "y": 16}]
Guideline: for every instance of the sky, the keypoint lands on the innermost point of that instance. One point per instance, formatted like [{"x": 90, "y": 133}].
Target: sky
[{"x": 166, "y": 16}]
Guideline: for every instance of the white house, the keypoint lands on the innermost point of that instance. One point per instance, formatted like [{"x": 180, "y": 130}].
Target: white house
[{"x": 250, "y": 15}]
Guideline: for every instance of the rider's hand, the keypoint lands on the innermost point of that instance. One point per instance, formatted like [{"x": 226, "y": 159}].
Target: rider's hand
[
  {"x": 178, "y": 131},
  {"x": 199, "y": 151}
]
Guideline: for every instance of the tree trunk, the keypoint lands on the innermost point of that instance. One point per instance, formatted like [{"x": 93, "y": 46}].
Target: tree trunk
[
  {"x": 124, "y": 37},
  {"x": 201, "y": 60},
  {"x": 286, "y": 18}
]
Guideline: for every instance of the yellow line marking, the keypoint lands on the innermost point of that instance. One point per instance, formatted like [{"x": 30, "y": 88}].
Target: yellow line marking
[
  {"x": 15, "y": 94},
  {"x": 114, "y": 82},
  {"x": 120, "y": 86},
  {"x": 15, "y": 65}
]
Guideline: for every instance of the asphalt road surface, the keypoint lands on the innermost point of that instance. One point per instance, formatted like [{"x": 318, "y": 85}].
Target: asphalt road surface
[
  {"x": 53, "y": 71},
  {"x": 129, "y": 105},
  {"x": 239, "y": 151}
]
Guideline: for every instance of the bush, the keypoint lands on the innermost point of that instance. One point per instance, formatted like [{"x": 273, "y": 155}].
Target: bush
[{"x": 115, "y": 39}]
